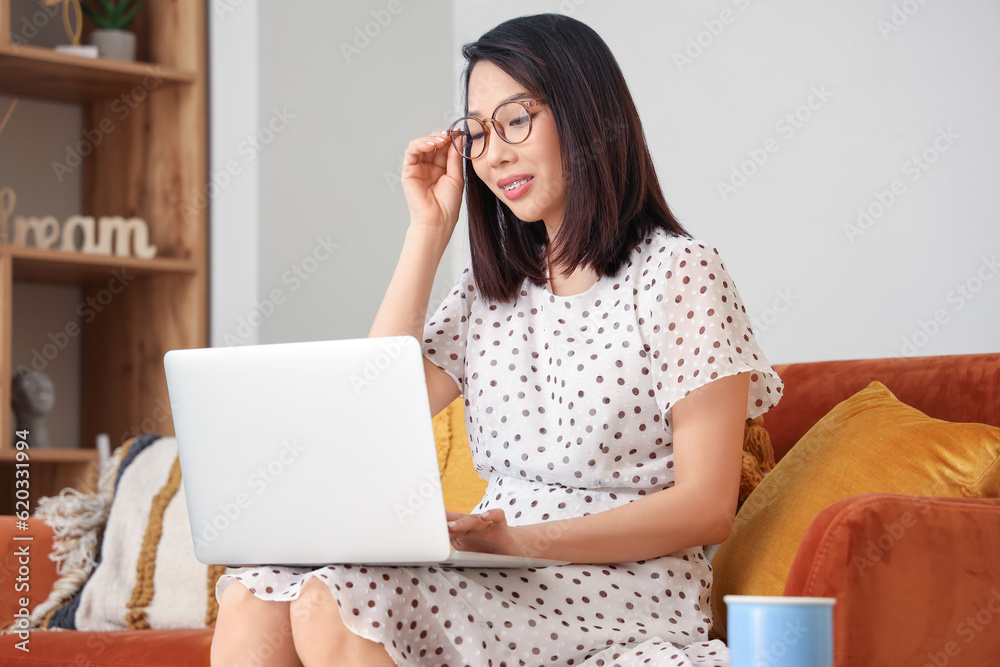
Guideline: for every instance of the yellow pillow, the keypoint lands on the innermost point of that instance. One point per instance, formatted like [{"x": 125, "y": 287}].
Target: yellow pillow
[
  {"x": 463, "y": 487},
  {"x": 869, "y": 443}
]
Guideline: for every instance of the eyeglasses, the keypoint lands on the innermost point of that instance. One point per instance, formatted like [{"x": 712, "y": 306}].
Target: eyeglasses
[{"x": 512, "y": 121}]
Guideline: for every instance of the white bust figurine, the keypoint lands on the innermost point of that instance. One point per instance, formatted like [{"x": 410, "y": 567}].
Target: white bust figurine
[{"x": 32, "y": 396}]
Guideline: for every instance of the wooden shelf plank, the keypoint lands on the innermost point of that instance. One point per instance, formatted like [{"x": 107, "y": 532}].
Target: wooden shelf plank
[
  {"x": 60, "y": 266},
  {"x": 43, "y": 73},
  {"x": 52, "y": 455}
]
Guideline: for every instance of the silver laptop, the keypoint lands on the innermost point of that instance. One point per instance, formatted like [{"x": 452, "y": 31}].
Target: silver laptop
[{"x": 311, "y": 454}]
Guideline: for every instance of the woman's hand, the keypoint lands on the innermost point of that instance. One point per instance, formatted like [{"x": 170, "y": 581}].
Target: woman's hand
[
  {"x": 486, "y": 533},
  {"x": 433, "y": 182}
]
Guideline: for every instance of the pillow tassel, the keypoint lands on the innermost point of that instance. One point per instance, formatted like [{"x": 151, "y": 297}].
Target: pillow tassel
[
  {"x": 758, "y": 457},
  {"x": 77, "y": 521}
]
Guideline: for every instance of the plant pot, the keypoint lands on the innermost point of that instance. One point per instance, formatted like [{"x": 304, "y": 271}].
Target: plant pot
[{"x": 115, "y": 44}]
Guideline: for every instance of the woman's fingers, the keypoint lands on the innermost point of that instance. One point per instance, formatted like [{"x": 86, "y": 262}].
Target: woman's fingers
[
  {"x": 442, "y": 149},
  {"x": 447, "y": 157},
  {"x": 454, "y": 163},
  {"x": 432, "y": 181},
  {"x": 466, "y": 523},
  {"x": 427, "y": 148},
  {"x": 487, "y": 532}
]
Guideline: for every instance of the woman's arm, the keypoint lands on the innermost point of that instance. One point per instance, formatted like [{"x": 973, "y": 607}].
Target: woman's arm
[
  {"x": 432, "y": 181},
  {"x": 699, "y": 509},
  {"x": 404, "y": 307}
]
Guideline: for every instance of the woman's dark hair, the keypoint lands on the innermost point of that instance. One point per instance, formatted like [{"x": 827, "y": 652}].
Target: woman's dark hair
[{"x": 614, "y": 199}]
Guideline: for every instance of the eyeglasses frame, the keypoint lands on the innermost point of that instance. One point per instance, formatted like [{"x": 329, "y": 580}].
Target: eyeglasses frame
[{"x": 527, "y": 104}]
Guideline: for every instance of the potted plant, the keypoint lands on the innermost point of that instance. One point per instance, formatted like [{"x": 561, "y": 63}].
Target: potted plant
[{"x": 113, "y": 17}]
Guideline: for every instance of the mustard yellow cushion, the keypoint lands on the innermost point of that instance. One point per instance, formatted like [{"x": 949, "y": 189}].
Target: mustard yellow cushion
[
  {"x": 462, "y": 485},
  {"x": 869, "y": 443}
]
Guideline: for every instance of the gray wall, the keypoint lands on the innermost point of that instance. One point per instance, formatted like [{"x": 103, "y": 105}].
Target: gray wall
[
  {"x": 916, "y": 280},
  {"x": 341, "y": 89}
]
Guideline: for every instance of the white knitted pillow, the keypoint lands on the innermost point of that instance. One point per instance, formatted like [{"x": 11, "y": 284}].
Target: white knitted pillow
[{"x": 143, "y": 573}]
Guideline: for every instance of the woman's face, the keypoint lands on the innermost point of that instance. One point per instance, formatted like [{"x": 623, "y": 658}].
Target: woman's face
[{"x": 531, "y": 170}]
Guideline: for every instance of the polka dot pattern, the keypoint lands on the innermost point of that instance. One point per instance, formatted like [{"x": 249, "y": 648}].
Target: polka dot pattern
[
  {"x": 577, "y": 390},
  {"x": 568, "y": 410}
]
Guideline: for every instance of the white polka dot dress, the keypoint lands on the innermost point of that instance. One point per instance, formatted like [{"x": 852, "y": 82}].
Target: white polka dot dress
[{"x": 568, "y": 409}]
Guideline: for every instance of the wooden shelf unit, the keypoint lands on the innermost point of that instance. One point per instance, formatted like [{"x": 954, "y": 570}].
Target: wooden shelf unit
[
  {"x": 154, "y": 165},
  {"x": 45, "y": 74}
]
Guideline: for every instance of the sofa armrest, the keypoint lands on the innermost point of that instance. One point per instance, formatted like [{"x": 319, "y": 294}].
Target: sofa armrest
[
  {"x": 916, "y": 578},
  {"x": 28, "y": 575}
]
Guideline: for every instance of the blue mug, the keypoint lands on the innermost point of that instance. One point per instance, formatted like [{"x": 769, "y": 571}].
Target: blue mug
[{"x": 781, "y": 631}]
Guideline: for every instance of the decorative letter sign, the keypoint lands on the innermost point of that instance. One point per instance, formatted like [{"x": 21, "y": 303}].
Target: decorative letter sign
[{"x": 129, "y": 236}]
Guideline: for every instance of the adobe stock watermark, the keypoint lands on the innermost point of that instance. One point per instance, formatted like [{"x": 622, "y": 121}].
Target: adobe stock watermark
[
  {"x": 899, "y": 16},
  {"x": 294, "y": 277},
  {"x": 248, "y": 149},
  {"x": 97, "y": 646},
  {"x": 787, "y": 127},
  {"x": 894, "y": 532},
  {"x": 794, "y": 631},
  {"x": 222, "y": 8},
  {"x": 957, "y": 298},
  {"x": 262, "y": 477},
  {"x": 914, "y": 167},
  {"x": 551, "y": 532},
  {"x": 569, "y": 7},
  {"x": 161, "y": 414},
  {"x": 88, "y": 310},
  {"x": 122, "y": 107},
  {"x": 968, "y": 629},
  {"x": 783, "y": 301},
  {"x": 363, "y": 35},
  {"x": 29, "y": 26},
  {"x": 418, "y": 497},
  {"x": 704, "y": 39},
  {"x": 271, "y": 642},
  {"x": 373, "y": 368},
  {"x": 423, "y": 318},
  {"x": 394, "y": 178}
]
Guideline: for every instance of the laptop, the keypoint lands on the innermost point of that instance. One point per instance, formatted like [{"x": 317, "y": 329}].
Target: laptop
[{"x": 313, "y": 453}]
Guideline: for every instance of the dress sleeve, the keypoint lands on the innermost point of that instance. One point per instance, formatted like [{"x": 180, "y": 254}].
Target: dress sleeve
[
  {"x": 700, "y": 330},
  {"x": 446, "y": 334}
]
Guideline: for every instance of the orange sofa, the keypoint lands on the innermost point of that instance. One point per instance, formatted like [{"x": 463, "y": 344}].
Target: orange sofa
[{"x": 905, "y": 617}]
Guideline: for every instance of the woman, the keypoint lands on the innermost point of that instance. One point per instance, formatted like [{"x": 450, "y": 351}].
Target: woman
[{"x": 607, "y": 366}]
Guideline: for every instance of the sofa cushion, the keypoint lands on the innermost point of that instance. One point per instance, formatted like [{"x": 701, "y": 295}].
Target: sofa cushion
[
  {"x": 881, "y": 556},
  {"x": 869, "y": 443},
  {"x": 129, "y": 548},
  {"x": 463, "y": 487},
  {"x": 956, "y": 387}
]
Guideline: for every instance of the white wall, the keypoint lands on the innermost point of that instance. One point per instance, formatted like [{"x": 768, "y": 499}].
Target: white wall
[
  {"x": 817, "y": 288},
  {"x": 341, "y": 89},
  {"x": 234, "y": 181}
]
